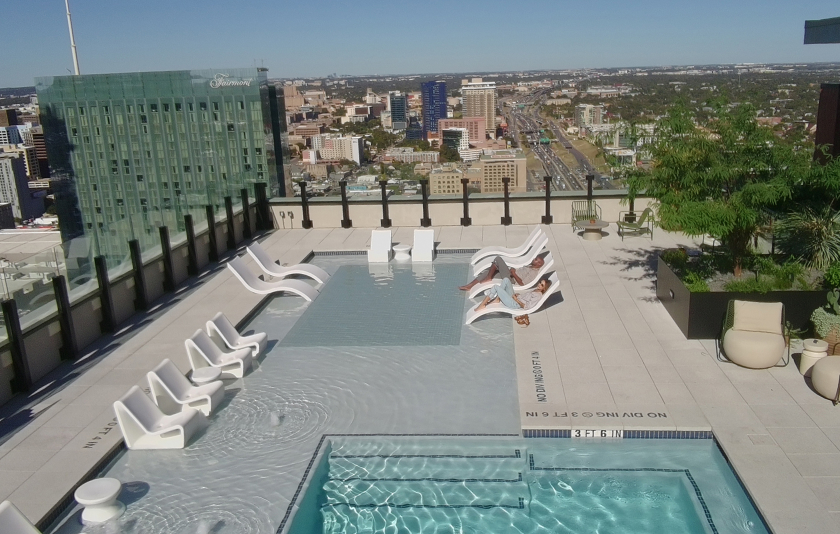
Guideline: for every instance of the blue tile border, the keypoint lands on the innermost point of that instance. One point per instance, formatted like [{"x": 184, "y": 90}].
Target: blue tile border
[
  {"x": 628, "y": 434},
  {"x": 339, "y": 252}
]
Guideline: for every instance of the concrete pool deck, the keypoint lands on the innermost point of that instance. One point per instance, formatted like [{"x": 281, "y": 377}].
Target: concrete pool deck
[{"x": 609, "y": 347}]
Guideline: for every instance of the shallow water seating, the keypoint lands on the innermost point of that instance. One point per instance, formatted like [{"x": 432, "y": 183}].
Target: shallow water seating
[
  {"x": 380, "y": 246},
  {"x": 202, "y": 352},
  {"x": 99, "y": 497},
  {"x": 424, "y": 245},
  {"x": 753, "y": 334},
  {"x": 272, "y": 268},
  {"x": 825, "y": 377},
  {"x": 631, "y": 224},
  {"x": 507, "y": 252},
  {"x": 519, "y": 261},
  {"x": 13, "y": 521},
  {"x": 172, "y": 392},
  {"x": 144, "y": 426},
  {"x": 474, "y": 314},
  {"x": 224, "y": 334},
  {"x": 261, "y": 287},
  {"x": 584, "y": 210},
  {"x": 547, "y": 267}
]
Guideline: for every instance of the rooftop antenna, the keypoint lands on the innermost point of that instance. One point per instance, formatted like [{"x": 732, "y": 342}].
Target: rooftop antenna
[{"x": 72, "y": 39}]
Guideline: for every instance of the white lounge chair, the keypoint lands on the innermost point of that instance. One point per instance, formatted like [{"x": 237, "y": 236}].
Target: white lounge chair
[
  {"x": 222, "y": 331},
  {"x": 546, "y": 268},
  {"x": 144, "y": 426},
  {"x": 172, "y": 392},
  {"x": 424, "y": 245},
  {"x": 272, "y": 268},
  {"x": 202, "y": 352},
  {"x": 380, "y": 246},
  {"x": 13, "y": 521},
  {"x": 519, "y": 261},
  {"x": 261, "y": 287},
  {"x": 508, "y": 252},
  {"x": 472, "y": 314}
]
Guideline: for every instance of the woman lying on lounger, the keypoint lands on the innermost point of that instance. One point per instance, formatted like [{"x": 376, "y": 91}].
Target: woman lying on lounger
[{"x": 504, "y": 293}]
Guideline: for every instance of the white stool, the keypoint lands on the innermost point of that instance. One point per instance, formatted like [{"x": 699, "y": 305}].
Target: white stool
[
  {"x": 813, "y": 351},
  {"x": 205, "y": 375},
  {"x": 401, "y": 252},
  {"x": 99, "y": 497}
]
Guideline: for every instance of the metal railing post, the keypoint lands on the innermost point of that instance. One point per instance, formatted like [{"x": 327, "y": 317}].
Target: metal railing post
[
  {"x": 547, "y": 218},
  {"x": 106, "y": 300},
  {"x": 168, "y": 266},
  {"x": 69, "y": 345},
  {"x": 263, "y": 213},
  {"x": 304, "y": 203},
  {"x": 231, "y": 226},
  {"x": 246, "y": 214},
  {"x": 22, "y": 380},
  {"x": 192, "y": 253},
  {"x": 386, "y": 221},
  {"x": 466, "y": 220},
  {"x": 506, "y": 220},
  {"x": 213, "y": 250},
  {"x": 345, "y": 207},
  {"x": 141, "y": 303},
  {"x": 425, "y": 222}
]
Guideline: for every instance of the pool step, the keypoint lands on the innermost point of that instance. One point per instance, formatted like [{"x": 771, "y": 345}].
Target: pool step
[
  {"x": 425, "y": 447},
  {"x": 418, "y": 493},
  {"x": 423, "y": 467},
  {"x": 344, "y": 519}
]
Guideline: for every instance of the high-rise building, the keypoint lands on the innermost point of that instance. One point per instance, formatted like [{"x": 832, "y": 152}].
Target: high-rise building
[
  {"x": 446, "y": 180},
  {"x": 475, "y": 125},
  {"x": 336, "y": 147},
  {"x": 136, "y": 151},
  {"x": 30, "y": 159},
  {"x": 8, "y": 117},
  {"x": 10, "y": 135},
  {"x": 14, "y": 188},
  {"x": 480, "y": 101},
  {"x": 500, "y": 164},
  {"x": 434, "y": 106},
  {"x": 34, "y": 136},
  {"x": 398, "y": 106},
  {"x": 456, "y": 138}
]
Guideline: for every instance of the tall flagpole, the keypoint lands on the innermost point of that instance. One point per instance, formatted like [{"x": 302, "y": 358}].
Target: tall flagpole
[{"x": 72, "y": 39}]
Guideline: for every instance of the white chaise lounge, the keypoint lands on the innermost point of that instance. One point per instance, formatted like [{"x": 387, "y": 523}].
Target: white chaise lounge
[
  {"x": 547, "y": 267},
  {"x": 424, "y": 245},
  {"x": 261, "y": 287},
  {"x": 272, "y": 268},
  {"x": 12, "y": 520},
  {"x": 172, "y": 392},
  {"x": 472, "y": 314},
  {"x": 144, "y": 426},
  {"x": 519, "y": 261},
  {"x": 380, "y": 246},
  {"x": 508, "y": 252},
  {"x": 224, "y": 334},
  {"x": 202, "y": 352}
]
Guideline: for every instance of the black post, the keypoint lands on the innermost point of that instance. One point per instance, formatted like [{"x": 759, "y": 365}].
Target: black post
[
  {"x": 306, "y": 223},
  {"x": 231, "y": 226},
  {"x": 168, "y": 266},
  {"x": 465, "y": 220},
  {"x": 386, "y": 221},
  {"x": 69, "y": 346},
  {"x": 23, "y": 376},
  {"x": 263, "y": 214},
  {"x": 589, "y": 178},
  {"x": 141, "y": 303},
  {"x": 547, "y": 218},
  {"x": 506, "y": 183},
  {"x": 213, "y": 253},
  {"x": 425, "y": 222},
  {"x": 192, "y": 254},
  {"x": 246, "y": 214},
  {"x": 345, "y": 207},
  {"x": 109, "y": 321},
  {"x": 631, "y": 216}
]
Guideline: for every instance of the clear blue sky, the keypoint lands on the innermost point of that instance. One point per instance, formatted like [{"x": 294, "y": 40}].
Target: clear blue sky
[{"x": 300, "y": 38}]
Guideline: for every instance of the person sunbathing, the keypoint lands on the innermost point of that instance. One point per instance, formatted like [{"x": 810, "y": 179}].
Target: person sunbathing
[
  {"x": 504, "y": 293},
  {"x": 522, "y": 276}
]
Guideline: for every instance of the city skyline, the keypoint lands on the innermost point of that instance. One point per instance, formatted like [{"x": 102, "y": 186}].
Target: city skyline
[{"x": 540, "y": 35}]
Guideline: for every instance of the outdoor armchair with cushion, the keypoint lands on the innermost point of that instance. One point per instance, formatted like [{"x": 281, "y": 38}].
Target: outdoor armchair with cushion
[
  {"x": 753, "y": 335},
  {"x": 631, "y": 224},
  {"x": 584, "y": 210}
]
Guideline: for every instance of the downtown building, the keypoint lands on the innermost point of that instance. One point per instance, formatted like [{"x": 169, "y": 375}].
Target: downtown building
[
  {"x": 398, "y": 106},
  {"x": 480, "y": 101},
  {"x": 132, "y": 152},
  {"x": 433, "y": 96}
]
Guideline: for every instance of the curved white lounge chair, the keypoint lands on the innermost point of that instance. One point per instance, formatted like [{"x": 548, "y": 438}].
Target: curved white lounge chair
[
  {"x": 144, "y": 426},
  {"x": 272, "y": 268},
  {"x": 380, "y": 246},
  {"x": 222, "y": 331},
  {"x": 546, "y": 268},
  {"x": 202, "y": 352},
  {"x": 472, "y": 314},
  {"x": 508, "y": 252},
  {"x": 172, "y": 392},
  {"x": 424, "y": 245},
  {"x": 518, "y": 261},
  {"x": 261, "y": 287},
  {"x": 13, "y": 521}
]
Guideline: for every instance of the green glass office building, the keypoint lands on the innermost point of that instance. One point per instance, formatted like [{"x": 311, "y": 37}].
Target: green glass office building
[{"x": 136, "y": 151}]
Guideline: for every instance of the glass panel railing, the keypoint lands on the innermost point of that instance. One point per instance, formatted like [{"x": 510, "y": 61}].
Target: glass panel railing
[
  {"x": 31, "y": 286},
  {"x": 75, "y": 262}
]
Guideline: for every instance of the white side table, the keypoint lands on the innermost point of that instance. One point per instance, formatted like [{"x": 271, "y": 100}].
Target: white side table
[
  {"x": 99, "y": 497},
  {"x": 813, "y": 351},
  {"x": 401, "y": 252},
  {"x": 205, "y": 375}
]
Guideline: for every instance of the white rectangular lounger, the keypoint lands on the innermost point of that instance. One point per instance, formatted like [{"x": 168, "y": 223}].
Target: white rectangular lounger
[
  {"x": 508, "y": 252},
  {"x": 272, "y": 268},
  {"x": 380, "y": 246},
  {"x": 13, "y": 521},
  {"x": 519, "y": 261},
  {"x": 261, "y": 287},
  {"x": 478, "y": 289},
  {"x": 424, "y": 245},
  {"x": 224, "y": 334},
  {"x": 144, "y": 426},
  {"x": 472, "y": 314},
  {"x": 172, "y": 392},
  {"x": 202, "y": 352}
]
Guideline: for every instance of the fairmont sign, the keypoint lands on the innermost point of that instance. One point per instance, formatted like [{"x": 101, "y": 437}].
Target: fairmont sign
[{"x": 224, "y": 80}]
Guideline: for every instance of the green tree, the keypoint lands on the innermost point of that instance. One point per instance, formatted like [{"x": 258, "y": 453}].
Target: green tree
[{"x": 448, "y": 154}]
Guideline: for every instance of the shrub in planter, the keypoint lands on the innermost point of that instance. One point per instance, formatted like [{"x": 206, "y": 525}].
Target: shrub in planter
[{"x": 827, "y": 321}]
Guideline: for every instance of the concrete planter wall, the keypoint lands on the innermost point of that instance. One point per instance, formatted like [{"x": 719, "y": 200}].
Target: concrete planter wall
[{"x": 700, "y": 315}]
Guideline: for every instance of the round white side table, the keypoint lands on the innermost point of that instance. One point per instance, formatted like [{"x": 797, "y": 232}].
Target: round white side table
[
  {"x": 205, "y": 375},
  {"x": 99, "y": 497},
  {"x": 401, "y": 252},
  {"x": 813, "y": 351}
]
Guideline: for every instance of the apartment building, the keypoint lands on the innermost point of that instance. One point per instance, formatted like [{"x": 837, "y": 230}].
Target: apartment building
[
  {"x": 476, "y": 127},
  {"x": 588, "y": 114},
  {"x": 500, "y": 164},
  {"x": 408, "y": 155},
  {"x": 434, "y": 106},
  {"x": 480, "y": 101},
  {"x": 446, "y": 180},
  {"x": 335, "y": 147},
  {"x": 14, "y": 188}
]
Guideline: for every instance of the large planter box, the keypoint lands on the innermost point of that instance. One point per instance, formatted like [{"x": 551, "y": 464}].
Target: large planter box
[{"x": 700, "y": 315}]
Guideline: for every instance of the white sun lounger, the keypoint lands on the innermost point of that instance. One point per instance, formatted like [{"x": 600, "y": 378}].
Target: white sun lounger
[
  {"x": 272, "y": 268},
  {"x": 144, "y": 426},
  {"x": 472, "y": 314},
  {"x": 222, "y": 331},
  {"x": 261, "y": 287},
  {"x": 424, "y": 245},
  {"x": 519, "y": 261},
  {"x": 546, "y": 268},
  {"x": 380, "y": 246},
  {"x": 172, "y": 392},
  {"x": 13, "y": 521},
  {"x": 508, "y": 252},
  {"x": 202, "y": 352}
]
